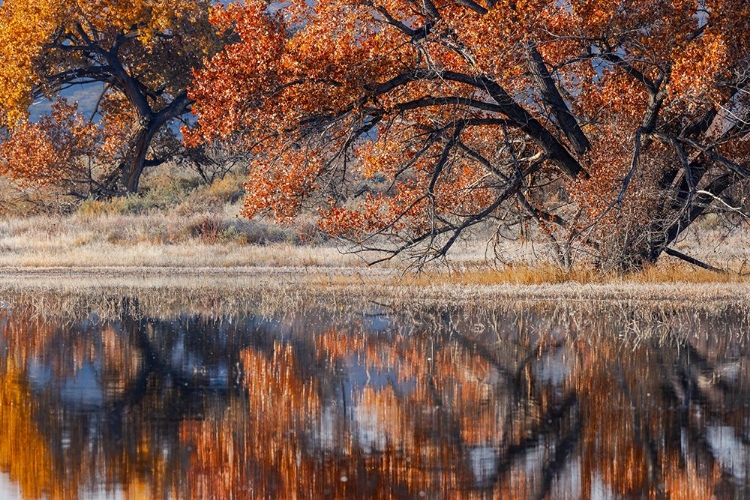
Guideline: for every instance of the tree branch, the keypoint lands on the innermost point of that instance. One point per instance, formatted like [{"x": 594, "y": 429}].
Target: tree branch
[
  {"x": 692, "y": 260},
  {"x": 471, "y": 4},
  {"x": 554, "y": 100},
  {"x": 443, "y": 160},
  {"x": 450, "y": 100}
]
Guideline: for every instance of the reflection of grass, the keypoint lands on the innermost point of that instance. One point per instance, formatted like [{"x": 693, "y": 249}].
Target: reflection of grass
[{"x": 283, "y": 290}]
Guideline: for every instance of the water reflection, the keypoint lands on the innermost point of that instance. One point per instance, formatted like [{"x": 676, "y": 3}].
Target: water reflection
[{"x": 544, "y": 401}]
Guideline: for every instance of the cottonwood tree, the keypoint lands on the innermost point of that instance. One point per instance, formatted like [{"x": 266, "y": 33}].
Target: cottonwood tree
[
  {"x": 611, "y": 126},
  {"x": 141, "y": 55}
]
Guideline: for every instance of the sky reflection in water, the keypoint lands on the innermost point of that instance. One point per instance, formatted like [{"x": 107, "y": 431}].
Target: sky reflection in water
[{"x": 505, "y": 401}]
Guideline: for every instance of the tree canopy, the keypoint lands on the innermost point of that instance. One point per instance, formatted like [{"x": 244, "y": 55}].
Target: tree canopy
[
  {"x": 610, "y": 126},
  {"x": 140, "y": 54}
]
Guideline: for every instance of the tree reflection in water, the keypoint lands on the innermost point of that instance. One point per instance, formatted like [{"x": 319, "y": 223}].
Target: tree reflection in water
[{"x": 504, "y": 401}]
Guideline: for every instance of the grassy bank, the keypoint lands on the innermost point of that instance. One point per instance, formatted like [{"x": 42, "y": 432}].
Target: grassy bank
[
  {"x": 277, "y": 292},
  {"x": 159, "y": 240},
  {"x": 183, "y": 224},
  {"x": 223, "y": 241},
  {"x": 174, "y": 222}
]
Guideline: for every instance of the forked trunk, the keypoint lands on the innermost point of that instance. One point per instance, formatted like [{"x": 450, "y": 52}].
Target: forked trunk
[{"x": 634, "y": 248}]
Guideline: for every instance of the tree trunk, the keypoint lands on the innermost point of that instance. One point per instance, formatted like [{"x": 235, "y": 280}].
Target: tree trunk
[
  {"x": 148, "y": 125},
  {"x": 684, "y": 218},
  {"x": 133, "y": 165}
]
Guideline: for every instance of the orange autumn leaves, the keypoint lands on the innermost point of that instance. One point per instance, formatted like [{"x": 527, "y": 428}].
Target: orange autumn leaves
[
  {"x": 439, "y": 109},
  {"x": 137, "y": 56},
  {"x": 410, "y": 120},
  {"x": 47, "y": 151}
]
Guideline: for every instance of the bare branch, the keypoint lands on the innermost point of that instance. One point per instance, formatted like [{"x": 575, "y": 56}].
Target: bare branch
[
  {"x": 567, "y": 122},
  {"x": 692, "y": 260},
  {"x": 443, "y": 159}
]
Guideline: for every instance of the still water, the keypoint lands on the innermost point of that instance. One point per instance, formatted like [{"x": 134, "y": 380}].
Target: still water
[{"x": 535, "y": 400}]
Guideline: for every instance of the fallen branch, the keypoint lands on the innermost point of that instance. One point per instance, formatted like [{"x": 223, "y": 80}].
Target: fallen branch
[{"x": 692, "y": 260}]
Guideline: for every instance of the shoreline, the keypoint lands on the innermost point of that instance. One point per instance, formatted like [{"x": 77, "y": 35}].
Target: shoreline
[{"x": 356, "y": 281}]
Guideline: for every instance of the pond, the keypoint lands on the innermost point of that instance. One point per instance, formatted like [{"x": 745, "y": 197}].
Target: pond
[{"x": 507, "y": 399}]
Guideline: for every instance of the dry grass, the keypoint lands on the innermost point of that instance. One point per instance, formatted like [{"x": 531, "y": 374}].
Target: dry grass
[
  {"x": 202, "y": 240},
  {"x": 187, "y": 254},
  {"x": 177, "y": 222},
  {"x": 544, "y": 273},
  {"x": 364, "y": 285},
  {"x": 671, "y": 272},
  {"x": 224, "y": 241},
  {"x": 518, "y": 274},
  {"x": 285, "y": 292}
]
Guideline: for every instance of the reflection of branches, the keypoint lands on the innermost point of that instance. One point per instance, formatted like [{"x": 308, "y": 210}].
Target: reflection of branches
[
  {"x": 547, "y": 424},
  {"x": 427, "y": 417},
  {"x": 544, "y": 426},
  {"x": 513, "y": 376},
  {"x": 563, "y": 448},
  {"x": 683, "y": 394}
]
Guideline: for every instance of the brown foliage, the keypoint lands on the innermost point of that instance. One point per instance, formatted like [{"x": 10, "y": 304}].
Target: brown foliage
[
  {"x": 139, "y": 55},
  {"x": 608, "y": 125}
]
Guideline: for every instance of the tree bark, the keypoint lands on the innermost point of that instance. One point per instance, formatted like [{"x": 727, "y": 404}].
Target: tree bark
[
  {"x": 148, "y": 127},
  {"x": 135, "y": 162},
  {"x": 552, "y": 98}
]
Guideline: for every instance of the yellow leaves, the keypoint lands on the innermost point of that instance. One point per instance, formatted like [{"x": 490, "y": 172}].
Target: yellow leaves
[
  {"x": 147, "y": 18},
  {"x": 28, "y": 28},
  {"x": 142, "y": 51},
  {"x": 24, "y": 28},
  {"x": 699, "y": 65}
]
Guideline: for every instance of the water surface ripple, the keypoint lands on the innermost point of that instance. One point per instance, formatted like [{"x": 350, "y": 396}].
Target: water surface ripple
[{"x": 506, "y": 400}]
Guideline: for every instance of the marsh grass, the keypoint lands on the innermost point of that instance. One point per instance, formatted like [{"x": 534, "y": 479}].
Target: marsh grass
[
  {"x": 180, "y": 222},
  {"x": 647, "y": 312},
  {"x": 545, "y": 273},
  {"x": 274, "y": 290}
]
